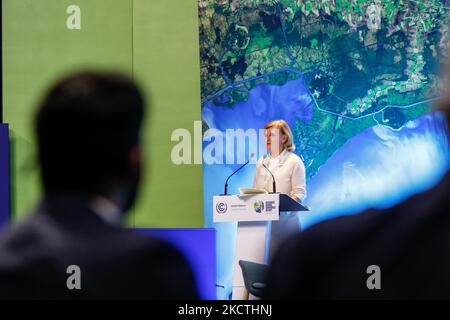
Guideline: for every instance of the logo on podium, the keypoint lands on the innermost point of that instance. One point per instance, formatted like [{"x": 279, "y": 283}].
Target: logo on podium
[
  {"x": 221, "y": 207},
  {"x": 258, "y": 206}
]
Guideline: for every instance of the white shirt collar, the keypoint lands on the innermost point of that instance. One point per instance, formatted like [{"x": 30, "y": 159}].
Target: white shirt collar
[
  {"x": 280, "y": 157},
  {"x": 274, "y": 162}
]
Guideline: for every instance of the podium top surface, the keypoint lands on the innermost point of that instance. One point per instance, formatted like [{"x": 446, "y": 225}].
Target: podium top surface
[
  {"x": 286, "y": 203},
  {"x": 289, "y": 204}
]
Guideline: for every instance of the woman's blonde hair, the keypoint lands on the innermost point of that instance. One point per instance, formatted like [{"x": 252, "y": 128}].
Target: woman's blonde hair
[{"x": 286, "y": 130}]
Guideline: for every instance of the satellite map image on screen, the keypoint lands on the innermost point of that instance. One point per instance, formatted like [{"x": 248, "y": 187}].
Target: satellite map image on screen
[
  {"x": 361, "y": 62},
  {"x": 355, "y": 80}
]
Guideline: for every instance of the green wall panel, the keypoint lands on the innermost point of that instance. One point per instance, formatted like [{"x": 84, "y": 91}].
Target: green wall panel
[
  {"x": 166, "y": 62},
  {"x": 156, "y": 41},
  {"x": 37, "y": 49}
]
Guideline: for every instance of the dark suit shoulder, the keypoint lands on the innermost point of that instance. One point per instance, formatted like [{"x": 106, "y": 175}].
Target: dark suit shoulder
[
  {"x": 330, "y": 258},
  {"x": 153, "y": 268},
  {"x": 411, "y": 214},
  {"x": 115, "y": 262}
]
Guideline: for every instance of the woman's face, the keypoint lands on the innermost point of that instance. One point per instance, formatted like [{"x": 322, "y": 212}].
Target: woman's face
[{"x": 275, "y": 140}]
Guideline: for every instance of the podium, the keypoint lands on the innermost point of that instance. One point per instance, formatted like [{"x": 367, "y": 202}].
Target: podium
[{"x": 254, "y": 214}]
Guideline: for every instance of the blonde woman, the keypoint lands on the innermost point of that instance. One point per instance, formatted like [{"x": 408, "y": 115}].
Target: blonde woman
[{"x": 289, "y": 172}]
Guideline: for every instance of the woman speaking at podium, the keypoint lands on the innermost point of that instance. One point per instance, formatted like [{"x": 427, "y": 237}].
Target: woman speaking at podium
[{"x": 289, "y": 173}]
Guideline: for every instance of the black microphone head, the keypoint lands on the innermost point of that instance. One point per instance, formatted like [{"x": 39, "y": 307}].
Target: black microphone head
[{"x": 232, "y": 174}]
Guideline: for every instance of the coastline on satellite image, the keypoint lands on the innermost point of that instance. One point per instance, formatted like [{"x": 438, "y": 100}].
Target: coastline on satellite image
[
  {"x": 361, "y": 62},
  {"x": 354, "y": 79}
]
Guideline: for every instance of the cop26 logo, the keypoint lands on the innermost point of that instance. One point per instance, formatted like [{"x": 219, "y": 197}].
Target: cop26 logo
[
  {"x": 221, "y": 207},
  {"x": 258, "y": 206}
]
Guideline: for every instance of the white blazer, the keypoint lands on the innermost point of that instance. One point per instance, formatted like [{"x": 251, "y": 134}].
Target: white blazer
[{"x": 289, "y": 172}]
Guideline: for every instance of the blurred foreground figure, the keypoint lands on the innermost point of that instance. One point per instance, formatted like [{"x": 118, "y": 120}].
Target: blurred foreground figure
[
  {"x": 398, "y": 253},
  {"x": 73, "y": 247}
]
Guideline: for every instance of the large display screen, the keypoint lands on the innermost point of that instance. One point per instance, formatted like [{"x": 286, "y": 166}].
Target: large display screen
[{"x": 355, "y": 80}]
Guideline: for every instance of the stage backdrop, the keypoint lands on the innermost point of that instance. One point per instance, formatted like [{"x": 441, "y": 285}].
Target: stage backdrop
[
  {"x": 154, "y": 42},
  {"x": 355, "y": 81}
]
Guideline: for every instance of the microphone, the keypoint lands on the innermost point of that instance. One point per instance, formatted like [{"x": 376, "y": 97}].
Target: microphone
[
  {"x": 226, "y": 182},
  {"x": 274, "y": 185}
]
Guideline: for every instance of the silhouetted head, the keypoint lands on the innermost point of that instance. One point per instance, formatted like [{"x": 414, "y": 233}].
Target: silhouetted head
[{"x": 88, "y": 129}]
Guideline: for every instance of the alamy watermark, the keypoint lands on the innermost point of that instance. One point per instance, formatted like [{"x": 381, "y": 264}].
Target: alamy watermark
[
  {"x": 73, "y": 281},
  {"x": 374, "y": 280},
  {"x": 231, "y": 146}
]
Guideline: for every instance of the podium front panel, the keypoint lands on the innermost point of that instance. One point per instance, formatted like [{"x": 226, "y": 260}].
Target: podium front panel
[{"x": 261, "y": 207}]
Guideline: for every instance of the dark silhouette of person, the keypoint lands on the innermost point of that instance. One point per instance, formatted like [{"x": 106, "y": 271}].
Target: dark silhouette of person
[
  {"x": 402, "y": 252},
  {"x": 73, "y": 246}
]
